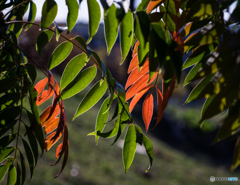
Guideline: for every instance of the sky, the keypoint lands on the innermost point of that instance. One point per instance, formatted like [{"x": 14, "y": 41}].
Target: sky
[{"x": 83, "y": 11}]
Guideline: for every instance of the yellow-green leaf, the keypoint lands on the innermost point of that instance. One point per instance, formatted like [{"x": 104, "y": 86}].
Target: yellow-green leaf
[
  {"x": 49, "y": 12},
  {"x": 72, "y": 13}
]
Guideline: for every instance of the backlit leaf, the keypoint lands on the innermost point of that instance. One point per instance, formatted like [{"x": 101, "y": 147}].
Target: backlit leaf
[
  {"x": 138, "y": 86},
  {"x": 137, "y": 97},
  {"x": 39, "y": 87},
  {"x": 4, "y": 153},
  {"x": 201, "y": 10},
  {"x": 160, "y": 105},
  {"x": 31, "y": 71},
  {"x": 49, "y": 12},
  {"x": 74, "y": 66},
  {"x": 60, "y": 54},
  {"x": 72, "y": 13},
  {"x": 49, "y": 141},
  {"x": 147, "y": 110},
  {"x": 4, "y": 168},
  {"x": 51, "y": 125},
  {"x": 134, "y": 63},
  {"x": 81, "y": 81},
  {"x": 12, "y": 175},
  {"x": 32, "y": 14},
  {"x": 91, "y": 98},
  {"x": 126, "y": 34},
  {"x": 45, "y": 116},
  {"x": 153, "y": 4},
  {"x": 94, "y": 13},
  {"x": 135, "y": 49},
  {"x": 142, "y": 5},
  {"x": 129, "y": 147},
  {"x": 42, "y": 40},
  {"x": 110, "y": 27}
]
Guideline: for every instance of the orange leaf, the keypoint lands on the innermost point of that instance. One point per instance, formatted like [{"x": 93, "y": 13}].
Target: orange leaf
[
  {"x": 135, "y": 74},
  {"x": 160, "y": 107},
  {"x": 59, "y": 149},
  {"x": 39, "y": 87},
  {"x": 139, "y": 85},
  {"x": 153, "y": 4},
  {"x": 135, "y": 49},
  {"x": 45, "y": 116},
  {"x": 49, "y": 141},
  {"x": 133, "y": 64},
  {"x": 65, "y": 149},
  {"x": 44, "y": 97},
  {"x": 137, "y": 97},
  {"x": 51, "y": 125},
  {"x": 186, "y": 30},
  {"x": 147, "y": 110}
]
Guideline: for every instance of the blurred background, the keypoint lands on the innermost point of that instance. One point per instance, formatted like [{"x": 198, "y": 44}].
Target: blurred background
[{"x": 183, "y": 152}]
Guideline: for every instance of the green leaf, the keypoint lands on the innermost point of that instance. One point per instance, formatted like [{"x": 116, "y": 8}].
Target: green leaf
[
  {"x": 110, "y": 27},
  {"x": 198, "y": 89},
  {"x": 7, "y": 84},
  {"x": 200, "y": 10},
  {"x": 60, "y": 54},
  {"x": 49, "y": 12},
  {"x": 92, "y": 97},
  {"x": 5, "y": 127},
  {"x": 6, "y": 140},
  {"x": 81, "y": 81},
  {"x": 148, "y": 146},
  {"x": 168, "y": 20},
  {"x": 23, "y": 167},
  {"x": 34, "y": 118},
  {"x": 32, "y": 14},
  {"x": 72, "y": 13},
  {"x": 141, "y": 32},
  {"x": 59, "y": 30},
  {"x": 230, "y": 124},
  {"x": 83, "y": 44},
  {"x": 33, "y": 145},
  {"x": 207, "y": 35},
  {"x": 19, "y": 175},
  {"x": 8, "y": 115},
  {"x": 12, "y": 175},
  {"x": 31, "y": 71},
  {"x": 42, "y": 40},
  {"x": 101, "y": 64},
  {"x": 29, "y": 157},
  {"x": 4, "y": 168},
  {"x": 94, "y": 13},
  {"x": 6, "y": 65},
  {"x": 197, "y": 55},
  {"x": 129, "y": 147},
  {"x": 126, "y": 34},
  {"x": 102, "y": 118},
  {"x": 110, "y": 133},
  {"x": 111, "y": 84},
  {"x": 143, "y": 5},
  {"x": 5, "y": 153},
  {"x": 9, "y": 100},
  {"x": 74, "y": 66}
]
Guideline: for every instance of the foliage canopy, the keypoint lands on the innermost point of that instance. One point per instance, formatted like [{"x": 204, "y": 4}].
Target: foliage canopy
[{"x": 159, "y": 32}]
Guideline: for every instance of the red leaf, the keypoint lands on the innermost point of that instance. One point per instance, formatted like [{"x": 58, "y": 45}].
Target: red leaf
[
  {"x": 135, "y": 49},
  {"x": 51, "y": 125},
  {"x": 64, "y": 150},
  {"x": 165, "y": 98},
  {"x": 137, "y": 97},
  {"x": 153, "y": 4},
  {"x": 49, "y": 141},
  {"x": 135, "y": 74},
  {"x": 133, "y": 64},
  {"x": 147, "y": 110},
  {"x": 59, "y": 149},
  {"x": 44, "y": 97},
  {"x": 39, "y": 87},
  {"x": 160, "y": 107},
  {"x": 139, "y": 85},
  {"x": 45, "y": 116},
  {"x": 62, "y": 121}
]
